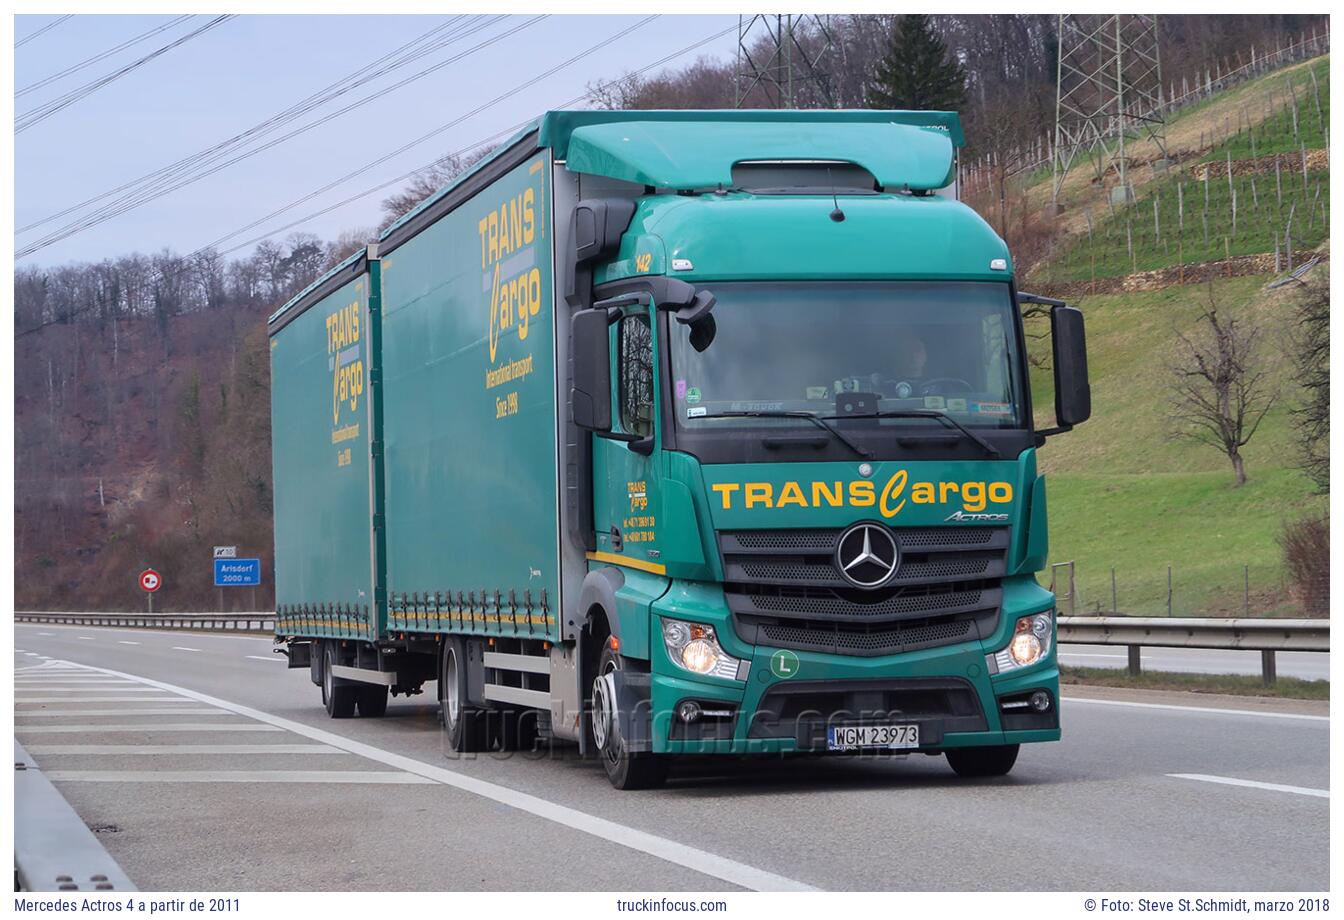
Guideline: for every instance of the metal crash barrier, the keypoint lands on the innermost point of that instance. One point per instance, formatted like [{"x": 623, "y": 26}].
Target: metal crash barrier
[
  {"x": 255, "y": 622},
  {"x": 1266, "y": 636}
]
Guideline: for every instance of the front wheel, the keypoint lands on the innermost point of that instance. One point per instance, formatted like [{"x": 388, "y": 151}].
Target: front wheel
[
  {"x": 983, "y": 761},
  {"x": 625, "y": 769}
]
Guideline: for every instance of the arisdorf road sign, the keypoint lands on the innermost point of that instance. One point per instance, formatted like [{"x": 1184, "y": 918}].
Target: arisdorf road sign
[{"x": 235, "y": 573}]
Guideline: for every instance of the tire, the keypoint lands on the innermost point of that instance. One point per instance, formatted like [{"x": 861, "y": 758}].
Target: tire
[
  {"x": 625, "y": 770},
  {"x": 517, "y": 729},
  {"x": 464, "y": 726},
  {"x": 372, "y": 701},
  {"x": 983, "y": 761},
  {"x": 338, "y": 695}
]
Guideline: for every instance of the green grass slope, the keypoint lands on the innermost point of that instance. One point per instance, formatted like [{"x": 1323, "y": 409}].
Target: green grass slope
[{"x": 1123, "y": 493}]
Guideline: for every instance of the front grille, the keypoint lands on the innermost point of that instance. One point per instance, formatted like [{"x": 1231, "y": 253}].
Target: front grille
[{"x": 784, "y": 590}]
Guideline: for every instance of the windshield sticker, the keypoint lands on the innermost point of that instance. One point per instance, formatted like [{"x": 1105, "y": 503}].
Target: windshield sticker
[
  {"x": 956, "y": 405},
  {"x": 746, "y": 406},
  {"x": 696, "y": 411},
  {"x": 934, "y": 402},
  {"x": 992, "y": 408},
  {"x": 692, "y": 395},
  {"x": 681, "y": 389},
  {"x": 818, "y": 393}
]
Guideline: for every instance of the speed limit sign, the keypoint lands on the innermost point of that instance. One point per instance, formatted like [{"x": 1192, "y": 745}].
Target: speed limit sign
[{"x": 150, "y": 581}]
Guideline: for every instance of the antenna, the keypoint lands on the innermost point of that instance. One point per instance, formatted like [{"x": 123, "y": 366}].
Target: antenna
[{"x": 837, "y": 215}]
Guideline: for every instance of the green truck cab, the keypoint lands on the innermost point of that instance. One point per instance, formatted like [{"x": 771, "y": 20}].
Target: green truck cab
[{"x": 679, "y": 432}]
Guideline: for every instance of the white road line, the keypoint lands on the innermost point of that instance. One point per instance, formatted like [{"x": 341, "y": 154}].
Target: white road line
[
  {"x": 183, "y": 648},
  {"x": 264, "y": 658},
  {"x": 236, "y": 776},
  {"x": 69, "y": 689},
  {"x": 36, "y": 749},
  {"x": 81, "y": 713},
  {"x": 91, "y": 699},
  {"x": 86, "y": 638},
  {"x": 178, "y": 633},
  {"x": 126, "y": 642},
  {"x": 1252, "y": 784},
  {"x": 1096, "y": 655},
  {"x": 145, "y": 727},
  {"x": 46, "y": 634},
  {"x": 681, "y": 854},
  {"x": 32, "y": 654},
  {"x": 1203, "y": 709}
]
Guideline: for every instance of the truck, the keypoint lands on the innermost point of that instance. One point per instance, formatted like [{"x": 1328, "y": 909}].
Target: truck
[{"x": 679, "y": 432}]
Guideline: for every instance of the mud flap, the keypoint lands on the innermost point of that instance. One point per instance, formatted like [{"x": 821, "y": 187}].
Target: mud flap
[{"x": 634, "y": 709}]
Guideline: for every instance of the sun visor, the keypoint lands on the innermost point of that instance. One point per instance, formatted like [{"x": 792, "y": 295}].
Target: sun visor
[{"x": 701, "y": 154}]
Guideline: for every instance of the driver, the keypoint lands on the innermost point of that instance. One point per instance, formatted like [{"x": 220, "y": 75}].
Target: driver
[{"x": 908, "y": 367}]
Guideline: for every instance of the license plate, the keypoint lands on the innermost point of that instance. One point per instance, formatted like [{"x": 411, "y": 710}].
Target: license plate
[{"x": 891, "y": 737}]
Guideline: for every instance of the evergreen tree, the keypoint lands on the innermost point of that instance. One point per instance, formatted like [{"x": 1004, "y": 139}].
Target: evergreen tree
[{"x": 917, "y": 72}]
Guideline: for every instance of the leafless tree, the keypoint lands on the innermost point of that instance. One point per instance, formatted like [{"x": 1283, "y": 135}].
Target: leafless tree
[
  {"x": 428, "y": 181},
  {"x": 1311, "y": 344},
  {"x": 1219, "y": 382}
]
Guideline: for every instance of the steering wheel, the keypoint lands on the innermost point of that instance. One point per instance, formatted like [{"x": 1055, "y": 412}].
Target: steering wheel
[{"x": 934, "y": 386}]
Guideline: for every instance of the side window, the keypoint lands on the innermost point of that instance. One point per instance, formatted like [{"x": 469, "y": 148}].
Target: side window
[{"x": 635, "y": 374}]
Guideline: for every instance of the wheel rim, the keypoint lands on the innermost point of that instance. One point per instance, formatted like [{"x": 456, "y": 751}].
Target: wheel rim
[
  {"x": 604, "y": 717},
  {"x": 451, "y": 702},
  {"x": 328, "y": 681}
]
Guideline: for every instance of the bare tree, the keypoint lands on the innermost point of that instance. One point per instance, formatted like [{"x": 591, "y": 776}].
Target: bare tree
[
  {"x": 1221, "y": 392},
  {"x": 1311, "y": 344},
  {"x": 428, "y": 181}
]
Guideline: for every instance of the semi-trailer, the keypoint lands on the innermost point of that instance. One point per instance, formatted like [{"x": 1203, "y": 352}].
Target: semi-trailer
[{"x": 679, "y": 432}]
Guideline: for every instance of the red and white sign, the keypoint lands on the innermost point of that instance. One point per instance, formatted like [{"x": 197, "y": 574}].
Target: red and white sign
[{"x": 150, "y": 581}]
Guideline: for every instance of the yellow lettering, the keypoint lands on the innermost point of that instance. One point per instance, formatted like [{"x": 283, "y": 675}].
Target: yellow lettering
[
  {"x": 862, "y": 493},
  {"x": 791, "y": 494},
  {"x": 821, "y": 490},
  {"x": 515, "y": 223},
  {"x": 895, "y": 486},
  {"x": 973, "y": 496},
  {"x": 505, "y": 241},
  {"x": 944, "y": 488},
  {"x": 922, "y": 493},
  {"x": 529, "y": 217},
  {"x": 493, "y": 232},
  {"x": 759, "y": 493},
  {"x": 725, "y": 490},
  {"x": 480, "y": 229},
  {"x": 1000, "y": 492}
]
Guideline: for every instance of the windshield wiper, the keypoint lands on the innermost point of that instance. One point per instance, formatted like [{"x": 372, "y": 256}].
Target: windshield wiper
[
  {"x": 817, "y": 420},
  {"x": 927, "y": 413}
]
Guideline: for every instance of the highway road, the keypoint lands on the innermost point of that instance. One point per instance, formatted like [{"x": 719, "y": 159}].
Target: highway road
[
  {"x": 1306, "y": 665},
  {"x": 205, "y": 764}
]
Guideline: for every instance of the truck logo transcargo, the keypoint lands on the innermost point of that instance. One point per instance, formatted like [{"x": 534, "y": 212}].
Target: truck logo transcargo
[{"x": 974, "y": 497}]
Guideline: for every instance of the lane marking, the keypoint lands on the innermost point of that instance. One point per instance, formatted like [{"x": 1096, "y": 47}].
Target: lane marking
[
  {"x": 46, "y": 634},
  {"x": 183, "y": 648},
  {"x": 68, "y": 689},
  {"x": 1252, "y": 784},
  {"x": 178, "y": 633},
  {"x": 126, "y": 642},
  {"x": 264, "y": 658},
  {"x": 184, "y": 749},
  {"x": 681, "y": 854},
  {"x": 1204, "y": 709},
  {"x": 236, "y": 776},
  {"x": 91, "y": 699},
  {"x": 149, "y": 727},
  {"x": 53, "y": 713},
  {"x": 87, "y": 638}
]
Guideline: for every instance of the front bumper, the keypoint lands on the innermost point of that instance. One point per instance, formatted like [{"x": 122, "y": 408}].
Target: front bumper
[{"x": 787, "y": 701}]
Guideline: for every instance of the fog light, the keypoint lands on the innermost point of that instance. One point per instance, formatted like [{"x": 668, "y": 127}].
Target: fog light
[
  {"x": 1040, "y": 701},
  {"x": 688, "y": 711}
]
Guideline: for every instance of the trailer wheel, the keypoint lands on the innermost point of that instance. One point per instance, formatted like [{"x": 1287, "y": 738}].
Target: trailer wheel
[
  {"x": 625, "y": 769},
  {"x": 338, "y": 696},
  {"x": 463, "y": 724},
  {"x": 517, "y": 729},
  {"x": 983, "y": 761},
  {"x": 372, "y": 701}
]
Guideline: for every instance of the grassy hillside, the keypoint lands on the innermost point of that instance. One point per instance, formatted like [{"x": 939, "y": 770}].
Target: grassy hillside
[{"x": 1123, "y": 493}]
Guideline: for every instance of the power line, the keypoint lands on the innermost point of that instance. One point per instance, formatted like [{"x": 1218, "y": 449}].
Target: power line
[
  {"x": 322, "y": 96},
  {"x": 45, "y": 111},
  {"x": 46, "y": 28},
  {"x": 137, "y": 199},
  {"x": 87, "y": 62}
]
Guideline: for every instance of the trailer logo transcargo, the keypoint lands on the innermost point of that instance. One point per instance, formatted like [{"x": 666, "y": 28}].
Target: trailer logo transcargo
[
  {"x": 862, "y": 493},
  {"x": 347, "y": 369}
]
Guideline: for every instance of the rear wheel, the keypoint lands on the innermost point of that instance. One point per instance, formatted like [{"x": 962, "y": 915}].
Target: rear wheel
[
  {"x": 625, "y": 769},
  {"x": 338, "y": 695},
  {"x": 983, "y": 761},
  {"x": 372, "y": 701},
  {"x": 463, "y": 725}
]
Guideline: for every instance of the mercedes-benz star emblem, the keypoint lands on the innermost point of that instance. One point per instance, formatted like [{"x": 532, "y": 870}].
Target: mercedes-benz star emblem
[{"x": 867, "y": 555}]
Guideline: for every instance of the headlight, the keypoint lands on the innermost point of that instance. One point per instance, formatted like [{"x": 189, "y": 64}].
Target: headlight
[
  {"x": 1030, "y": 642},
  {"x": 695, "y": 648}
]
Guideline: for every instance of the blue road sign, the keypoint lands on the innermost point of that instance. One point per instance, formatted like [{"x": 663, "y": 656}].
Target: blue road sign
[{"x": 234, "y": 573}]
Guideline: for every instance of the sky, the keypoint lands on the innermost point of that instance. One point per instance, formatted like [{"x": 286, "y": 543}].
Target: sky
[{"x": 245, "y": 70}]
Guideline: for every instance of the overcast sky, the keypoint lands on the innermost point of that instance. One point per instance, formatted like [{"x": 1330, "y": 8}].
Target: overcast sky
[{"x": 241, "y": 72}]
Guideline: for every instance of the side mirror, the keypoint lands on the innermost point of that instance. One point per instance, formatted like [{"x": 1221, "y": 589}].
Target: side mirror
[
  {"x": 590, "y": 346},
  {"x": 1073, "y": 395}
]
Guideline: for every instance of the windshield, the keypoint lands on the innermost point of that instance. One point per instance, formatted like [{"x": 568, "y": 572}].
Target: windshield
[{"x": 845, "y": 350}]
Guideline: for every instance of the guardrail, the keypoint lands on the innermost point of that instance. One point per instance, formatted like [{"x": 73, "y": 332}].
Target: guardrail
[
  {"x": 1266, "y": 636},
  {"x": 53, "y": 849},
  {"x": 217, "y": 621}
]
